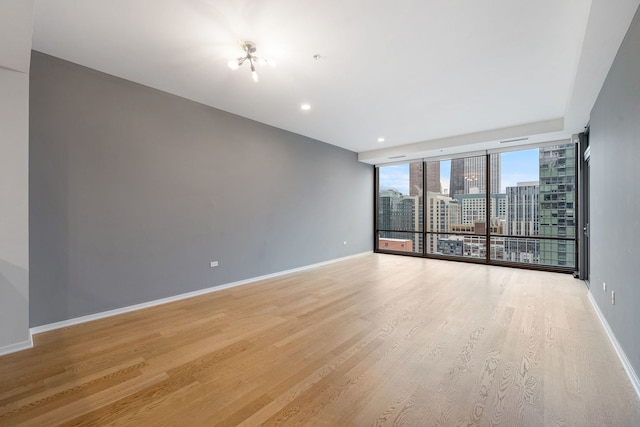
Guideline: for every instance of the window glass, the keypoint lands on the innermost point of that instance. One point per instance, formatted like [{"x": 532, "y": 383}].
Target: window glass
[
  {"x": 521, "y": 202},
  {"x": 536, "y": 200}
]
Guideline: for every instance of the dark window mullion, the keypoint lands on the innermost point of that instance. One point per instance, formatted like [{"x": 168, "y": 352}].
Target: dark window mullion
[
  {"x": 487, "y": 218},
  {"x": 376, "y": 186},
  {"x": 424, "y": 211}
]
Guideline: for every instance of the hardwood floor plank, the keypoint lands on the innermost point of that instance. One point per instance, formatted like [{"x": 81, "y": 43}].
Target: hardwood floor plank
[{"x": 374, "y": 340}]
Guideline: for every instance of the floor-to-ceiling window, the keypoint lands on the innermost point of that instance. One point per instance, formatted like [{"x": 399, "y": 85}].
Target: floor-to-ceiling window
[
  {"x": 511, "y": 207},
  {"x": 538, "y": 187},
  {"x": 456, "y": 211},
  {"x": 399, "y": 208}
]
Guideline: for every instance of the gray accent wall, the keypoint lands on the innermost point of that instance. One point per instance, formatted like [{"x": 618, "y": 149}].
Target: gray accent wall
[
  {"x": 134, "y": 192},
  {"x": 615, "y": 196}
]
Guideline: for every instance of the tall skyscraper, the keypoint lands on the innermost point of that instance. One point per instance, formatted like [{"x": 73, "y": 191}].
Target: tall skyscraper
[
  {"x": 522, "y": 209},
  {"x": 557, "y": 204},
  {"x": 433, "y": 177},
  {"x": 522, "y": 220},
  {"x": 456, "y": 180},
  {"x": 469, "y": 176},
  {"x": 416, "y": 182},
  {"x": 475, "y": 177},
  {"x": 415, "y": 179}
]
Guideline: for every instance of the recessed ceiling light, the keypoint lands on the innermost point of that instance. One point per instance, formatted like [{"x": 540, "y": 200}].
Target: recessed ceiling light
[
  {"x": 381, "y": 139},
  {"x": 305, "y": 107}
]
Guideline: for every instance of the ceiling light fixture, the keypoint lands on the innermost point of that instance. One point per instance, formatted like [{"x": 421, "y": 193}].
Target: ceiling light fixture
[
  {"x": 381, "y": 139},
  {"x": 305, "y": 107},
  {"x": 249, "y": 49}
]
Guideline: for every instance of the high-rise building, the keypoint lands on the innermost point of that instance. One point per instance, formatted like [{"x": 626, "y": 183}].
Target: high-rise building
[
  {"x": 416, "y": 176},
  {"x": 557, "y": 204},
  {"x": 473, "y": 219},
  {"x": 469, "y": 175},
  {"x": 501, "y": 206},
  {"x": 473, "y": 208},
  {"x": 475, "y": 176},
  {"x": 496, "y": 172},
  {"x": 522, "y": 209},
  {"x": 386, "y": 202},
  {"x": 456, "y": 179},
  {"x": 397, "y": 211},
  {"x": 440, "y": 212},
  {"x": 433, "y": 177},
  {"x": 415, "y": 179},
  {"x": 522, "y": 220}
]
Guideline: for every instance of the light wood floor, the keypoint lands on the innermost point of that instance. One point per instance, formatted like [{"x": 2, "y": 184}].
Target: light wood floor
[{"x": 375, "y": 340}]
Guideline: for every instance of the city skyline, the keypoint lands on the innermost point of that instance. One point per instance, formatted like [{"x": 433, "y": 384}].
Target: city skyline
[
  {"x": 517, "y": 166},
  {"x": 537, "y": 199}
]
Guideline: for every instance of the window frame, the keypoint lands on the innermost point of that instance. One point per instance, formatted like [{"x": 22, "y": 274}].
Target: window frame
[{"x": 488, "y": 236}]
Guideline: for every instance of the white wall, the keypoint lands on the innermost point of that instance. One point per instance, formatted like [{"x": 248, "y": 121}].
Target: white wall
[{"x": 16, "y": 21}]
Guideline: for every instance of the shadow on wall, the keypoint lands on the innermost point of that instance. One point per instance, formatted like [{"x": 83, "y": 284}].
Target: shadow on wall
[{"x": 14, "y": 302}]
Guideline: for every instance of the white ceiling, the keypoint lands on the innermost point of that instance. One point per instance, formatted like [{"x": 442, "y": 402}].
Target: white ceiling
[{"x": 425, "y": 74}]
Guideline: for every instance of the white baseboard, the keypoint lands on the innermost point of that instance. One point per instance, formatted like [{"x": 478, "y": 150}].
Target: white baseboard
[
  {"x": 115, "y": 312},
  {"x": 12, "y": 348},
  {"x": 631, "y": 373}
]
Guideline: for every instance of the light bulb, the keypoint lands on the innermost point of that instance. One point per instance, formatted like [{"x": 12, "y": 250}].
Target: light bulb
[
  {"x": 233, "y": 64},
  {"x": 254, "y": 76}
]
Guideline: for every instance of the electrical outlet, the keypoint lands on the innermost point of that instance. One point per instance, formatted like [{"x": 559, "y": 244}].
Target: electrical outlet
[
  {"x": 213, "y": 264},
  {"x": 613, "y": 298},
  {"x": 604, "y": 286}
]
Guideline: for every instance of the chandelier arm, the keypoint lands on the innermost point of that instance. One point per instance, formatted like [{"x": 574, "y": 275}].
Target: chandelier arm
[{"x": 250, "y": 48}]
